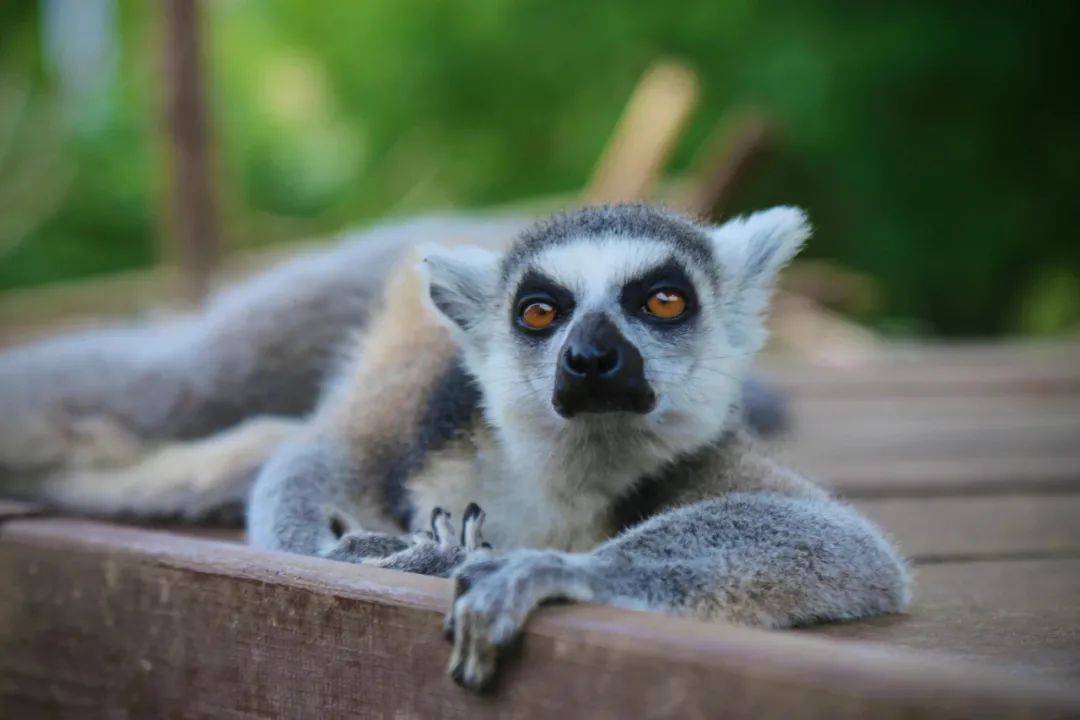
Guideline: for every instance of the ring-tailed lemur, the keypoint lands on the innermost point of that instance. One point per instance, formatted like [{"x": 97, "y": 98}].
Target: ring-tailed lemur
[
  {"x": 173, "y": 417},
  {"x": 589, "y": 404}
]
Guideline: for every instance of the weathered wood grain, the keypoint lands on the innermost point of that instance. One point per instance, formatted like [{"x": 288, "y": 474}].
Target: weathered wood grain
[
  {"x": 97, "y": 620},
  {"x": 888, "y": 445},
  {"x": 10, "y": 509},
  {"x": 939, "y": 371},
  {"x": 940, "y": 528},
  {"x": 923, "y": 477},
  {"x": 1022, "y": 614}
]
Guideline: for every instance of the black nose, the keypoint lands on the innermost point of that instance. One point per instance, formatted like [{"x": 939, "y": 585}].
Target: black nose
[
  {"x": 600, "y": 371},
  {"x": 590, "y": 360}
]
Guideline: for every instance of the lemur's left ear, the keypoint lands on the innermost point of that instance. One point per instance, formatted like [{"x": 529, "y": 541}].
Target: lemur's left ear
[
  {"x": 752, "y": 250},
  {"x": 460, "y": 283}
]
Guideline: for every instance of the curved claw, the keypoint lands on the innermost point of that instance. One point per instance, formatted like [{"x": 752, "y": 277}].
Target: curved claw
[
  {"x": 441, "y": 527},
  {"x": 472, "y": 524}
]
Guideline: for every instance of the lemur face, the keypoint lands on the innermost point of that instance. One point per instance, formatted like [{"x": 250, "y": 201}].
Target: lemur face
[{"x": 624, "y": 314}]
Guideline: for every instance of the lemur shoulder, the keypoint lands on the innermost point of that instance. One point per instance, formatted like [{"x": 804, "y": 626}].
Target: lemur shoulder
[{"x": 574, "y": 401}]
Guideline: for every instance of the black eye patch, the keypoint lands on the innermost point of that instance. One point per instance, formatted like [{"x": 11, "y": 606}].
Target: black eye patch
[
  {"x": 537, "y": 287},
  {"x": 669, "y": 276}
]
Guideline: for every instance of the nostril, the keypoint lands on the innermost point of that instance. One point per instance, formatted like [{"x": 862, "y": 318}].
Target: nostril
[
  {"x": 575, "y": 363},
  {"x": 608, "y": 363}
]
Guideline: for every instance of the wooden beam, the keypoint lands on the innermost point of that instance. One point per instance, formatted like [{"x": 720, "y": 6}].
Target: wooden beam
[
  {"x": 194, "y": 244},
  {"x": 100, "y": 620},
  {"x": 646, "y": 134}
]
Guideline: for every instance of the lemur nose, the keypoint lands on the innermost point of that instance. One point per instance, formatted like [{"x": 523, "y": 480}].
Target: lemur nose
[
  {"x": 591, "y": 360},
  {"x": 600, "y": 371}
]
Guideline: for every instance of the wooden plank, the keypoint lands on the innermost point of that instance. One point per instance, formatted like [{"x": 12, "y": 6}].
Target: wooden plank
[
  {"x": 815, "y": 410},
  {"x": 935, "y": 529},
  {"x": 920, "y": 476},
  {"x": 11, "y": 509},
  {"x": 905, "y": 446},
  {"x": 99, "y": 619},
  {"x": 930, "y": 371},
  {"x": 1022, "y": 614},
  {"x": 1030, "y": 435}
]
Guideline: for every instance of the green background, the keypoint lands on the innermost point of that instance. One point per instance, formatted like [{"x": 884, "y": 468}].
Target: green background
[{"x": 935, "y": 144}]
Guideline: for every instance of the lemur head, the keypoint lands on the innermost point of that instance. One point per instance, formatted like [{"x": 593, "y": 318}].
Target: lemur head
[{"x": 623, "y": 316}]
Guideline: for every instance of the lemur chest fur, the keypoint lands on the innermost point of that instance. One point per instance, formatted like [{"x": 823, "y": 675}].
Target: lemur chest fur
[{"x": 525, "y": 506}]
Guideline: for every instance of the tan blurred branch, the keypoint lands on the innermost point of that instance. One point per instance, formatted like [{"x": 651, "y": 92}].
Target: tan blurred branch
[
  {"x": 646, "y": 134},
  {"x": 732, "y": 154}
]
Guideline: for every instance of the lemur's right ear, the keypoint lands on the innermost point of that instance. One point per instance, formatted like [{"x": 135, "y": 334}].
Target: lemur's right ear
[{"x": 460, "y": 284}]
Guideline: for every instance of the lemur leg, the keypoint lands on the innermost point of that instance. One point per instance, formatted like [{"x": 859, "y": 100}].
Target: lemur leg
[
  {"x": 437, "y": 551},
  {"x": 197, "y": 481},
  {"x": 348, "y": 471},
  {"x": 749, "y": 558},
  {"x": 262, "y": 348}
]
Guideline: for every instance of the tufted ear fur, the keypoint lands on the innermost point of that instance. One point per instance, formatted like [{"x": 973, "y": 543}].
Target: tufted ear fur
[
  {"x": 461, "y": 285},
  {"x": 752, "y": 250}
]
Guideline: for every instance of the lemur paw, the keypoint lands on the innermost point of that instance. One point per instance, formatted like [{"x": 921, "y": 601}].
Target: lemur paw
[
  {"x": 362, "y": 546},
  {"x": 439, "y": 550},
  {"x": 493, "y": 597}
]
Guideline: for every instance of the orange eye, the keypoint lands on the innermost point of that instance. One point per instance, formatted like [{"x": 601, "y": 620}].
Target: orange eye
[
  {"x": 538, "y": 315},
  {"x": 666, "y": 304}
]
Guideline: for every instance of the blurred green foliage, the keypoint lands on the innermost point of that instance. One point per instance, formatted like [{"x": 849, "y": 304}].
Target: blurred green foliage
[{"x": 935, "y": 144}]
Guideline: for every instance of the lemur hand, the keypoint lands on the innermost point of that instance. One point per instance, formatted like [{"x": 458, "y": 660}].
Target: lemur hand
[
  {"x": 493, "y": 597},
  {"x": 431, "y": 552}
]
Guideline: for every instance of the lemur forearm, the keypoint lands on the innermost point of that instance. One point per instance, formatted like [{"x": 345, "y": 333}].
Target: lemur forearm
[
  {"x": 301, "y": 504},
  {"x": 754, "y": 558},
  {"x": 759, "y": 559}
]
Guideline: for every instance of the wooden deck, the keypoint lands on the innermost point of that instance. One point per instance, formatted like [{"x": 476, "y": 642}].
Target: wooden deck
[{"x": 969, "y": 456}]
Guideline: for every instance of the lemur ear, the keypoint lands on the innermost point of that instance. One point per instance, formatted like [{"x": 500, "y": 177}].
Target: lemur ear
[
  {"x": 752, "y": 250},
  {"x": 460, "y": 283}
]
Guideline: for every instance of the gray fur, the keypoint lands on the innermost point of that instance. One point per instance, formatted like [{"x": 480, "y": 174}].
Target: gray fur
[{"x": 627, "y": 220}]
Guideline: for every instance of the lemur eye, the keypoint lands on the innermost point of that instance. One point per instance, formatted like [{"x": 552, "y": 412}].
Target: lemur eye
[
  {"x": 666, "y": 304},
  {"x": 538, "y": 315}
]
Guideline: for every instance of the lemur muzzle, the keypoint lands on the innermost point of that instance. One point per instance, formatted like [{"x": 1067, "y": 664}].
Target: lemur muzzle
[{"x": 600, "y": 371}]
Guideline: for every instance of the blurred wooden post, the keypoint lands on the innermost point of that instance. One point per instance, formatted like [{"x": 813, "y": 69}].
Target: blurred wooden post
[
  {"x": 192, "y": 242},
  {"x": 646, "y": 134},
  {"x": 731, "y": 156}
]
